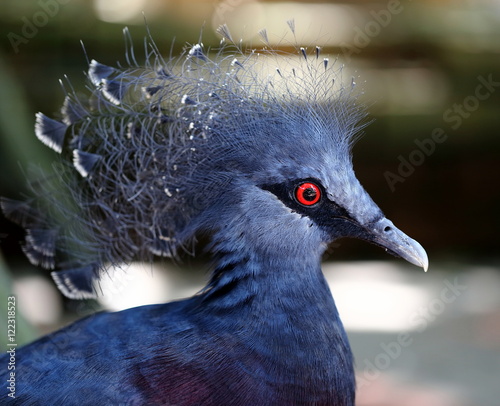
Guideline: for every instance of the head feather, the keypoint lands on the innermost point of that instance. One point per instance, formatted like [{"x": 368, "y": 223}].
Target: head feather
[{"x": 146, "y": 156}]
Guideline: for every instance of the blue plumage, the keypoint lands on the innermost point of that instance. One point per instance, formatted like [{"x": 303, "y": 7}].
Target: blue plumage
[{"x": 253, "y": 148}]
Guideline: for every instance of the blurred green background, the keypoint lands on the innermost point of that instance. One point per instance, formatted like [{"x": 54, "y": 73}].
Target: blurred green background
[{"x": 426, "y": 68}]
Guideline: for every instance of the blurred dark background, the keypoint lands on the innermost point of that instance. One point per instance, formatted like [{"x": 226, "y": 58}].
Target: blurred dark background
[{"x": 428, "y": 69}]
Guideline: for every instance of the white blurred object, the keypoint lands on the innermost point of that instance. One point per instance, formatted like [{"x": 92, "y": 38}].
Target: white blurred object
[
  {"x": 140, "y": 284},
  {"x": 38, "y": 300},
  {"x": 119, "y": 11},
  {"x": 374, "y": 296}
]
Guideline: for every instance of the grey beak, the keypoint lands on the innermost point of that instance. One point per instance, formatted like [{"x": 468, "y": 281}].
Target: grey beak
[{"x": 385, "y": 234}]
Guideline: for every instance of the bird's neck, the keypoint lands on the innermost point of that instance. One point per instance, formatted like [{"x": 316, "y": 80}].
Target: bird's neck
[
  {"x": 279, "y": 285},
  {"x": 286, "y": 311}
]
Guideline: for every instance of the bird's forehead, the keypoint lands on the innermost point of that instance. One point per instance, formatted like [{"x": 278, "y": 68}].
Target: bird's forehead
[
  {"x": 346, "y": 191},
  {"x": 287, "y": 168},
  {"x": 331, "y": 166},
  {"x": 336, "y": 175}
]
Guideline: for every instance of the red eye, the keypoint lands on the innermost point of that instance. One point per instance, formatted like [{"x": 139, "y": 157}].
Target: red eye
[{"x": 308, "y": 194}]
